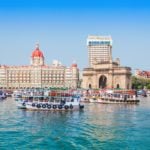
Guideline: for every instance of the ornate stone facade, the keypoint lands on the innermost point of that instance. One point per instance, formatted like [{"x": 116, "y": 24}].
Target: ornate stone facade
[
  {"x": 38, "y": 74},
  {"x": 106, "y": 74}
]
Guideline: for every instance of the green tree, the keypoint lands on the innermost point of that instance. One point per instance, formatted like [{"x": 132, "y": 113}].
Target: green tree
[
  {"x": 148, "y": 86},
  {"x": 140, "y": 83}
]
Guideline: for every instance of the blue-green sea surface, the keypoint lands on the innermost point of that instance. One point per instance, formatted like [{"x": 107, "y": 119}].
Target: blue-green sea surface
[{"x": 97, "y": 127}]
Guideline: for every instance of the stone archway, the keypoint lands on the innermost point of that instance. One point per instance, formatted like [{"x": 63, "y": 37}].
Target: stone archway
[
  {"x": 102, "y": 81},
  {"x": 90, "y": 86},
  {"x": 117, "y": 86}
]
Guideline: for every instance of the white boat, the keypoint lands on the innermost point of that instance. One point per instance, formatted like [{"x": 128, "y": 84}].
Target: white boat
[
  {"x": 21, "y": 104},
  {"x": 17, "y": 94},
  {"x": 115, "y": 98},
  {"x": 94, "y": 99},
  {"x": 84, "y": 99},
  {"x": 50, "y": 103}
]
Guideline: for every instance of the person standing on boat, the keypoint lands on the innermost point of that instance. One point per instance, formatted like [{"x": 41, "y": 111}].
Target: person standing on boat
[{"x": 125, "y": 97}]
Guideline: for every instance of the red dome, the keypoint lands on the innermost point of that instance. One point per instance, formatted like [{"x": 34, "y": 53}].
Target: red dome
[
  {"x": 37, "y": 53},
  {"x": 74, "y": 65}
]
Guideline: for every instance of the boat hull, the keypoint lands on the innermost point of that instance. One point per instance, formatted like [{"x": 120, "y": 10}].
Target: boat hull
[
  {"x": 116, "y": 101},
  {"x": 49, "y": 107}
]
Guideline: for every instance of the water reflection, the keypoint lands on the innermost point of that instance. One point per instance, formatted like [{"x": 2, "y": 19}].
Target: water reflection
[
  {"x": 105, "y": 119},
  {"x": 96, "y": 127}
]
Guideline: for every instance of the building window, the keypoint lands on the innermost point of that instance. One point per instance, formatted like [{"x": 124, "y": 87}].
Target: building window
[{"x": 118, "y": 86}]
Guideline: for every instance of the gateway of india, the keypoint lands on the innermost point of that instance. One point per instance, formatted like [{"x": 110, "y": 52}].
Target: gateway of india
[{"x": 103, "y": 71}]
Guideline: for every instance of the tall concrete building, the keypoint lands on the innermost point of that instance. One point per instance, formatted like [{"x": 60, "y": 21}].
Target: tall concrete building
[
  {"x": 99, "y": 49},
  {"x": 38, "y": 74},
  {"x": 103, "y": 71}
]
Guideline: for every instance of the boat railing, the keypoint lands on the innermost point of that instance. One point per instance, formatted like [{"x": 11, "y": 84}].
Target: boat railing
[
  {"x": 118, "y": 97},
  {"x": 51, "y": 99}
]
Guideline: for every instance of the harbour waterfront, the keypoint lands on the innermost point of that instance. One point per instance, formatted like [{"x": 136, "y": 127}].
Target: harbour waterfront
[{"x": 98, "y": 127}]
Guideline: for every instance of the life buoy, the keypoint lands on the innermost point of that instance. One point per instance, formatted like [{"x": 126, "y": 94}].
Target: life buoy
[
  {"x": 24, "y": 104},
  {"x": 54, "y": 106},
  {"x": 49, "y": 106},
  {"x": 38, "y": 106},
  {"x": 81, "y": 106},
  {"x": 71, "y": 106},
  {"x": 33, "y": 104},
  {"x": 44, "y": 106},
  {"x": 66, "y": 106},
  {"x": 60, "y": 106}
]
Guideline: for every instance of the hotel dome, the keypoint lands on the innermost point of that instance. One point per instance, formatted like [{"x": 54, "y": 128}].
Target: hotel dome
[
  {"x": 37, "y": 52},
  {"x": 74, "y": 65}
]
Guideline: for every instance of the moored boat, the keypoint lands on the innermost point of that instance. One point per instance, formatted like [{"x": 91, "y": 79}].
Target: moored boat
[
  {"x": 55, "y": 102},
  {"x": 115, "y": 98},
  {"x": 94, "y": 99}
]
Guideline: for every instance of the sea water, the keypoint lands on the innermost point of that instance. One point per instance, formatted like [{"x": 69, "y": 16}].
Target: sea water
[{"x": 97, "y": 127}]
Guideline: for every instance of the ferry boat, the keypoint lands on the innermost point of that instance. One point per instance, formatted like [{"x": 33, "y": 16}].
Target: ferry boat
[
  {"x": 55, "y": 102},
  {"x": 94, "y": 99},
  {"x": 114, "y": 98}
]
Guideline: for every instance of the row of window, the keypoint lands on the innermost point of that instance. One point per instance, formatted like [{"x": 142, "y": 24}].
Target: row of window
[
  {"x": 32, "y": 72},
  {"x": 35, "y": 74},
  {"x": 93, "y": 43},
  {"x": 54, "y": 82},
  {"x": 47, "y": 78}
]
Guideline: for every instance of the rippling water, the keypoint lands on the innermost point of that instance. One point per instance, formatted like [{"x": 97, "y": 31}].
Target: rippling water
[{"x": 97, "y": 127}]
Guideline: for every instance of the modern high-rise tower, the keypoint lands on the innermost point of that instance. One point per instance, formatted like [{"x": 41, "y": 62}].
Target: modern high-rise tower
[
  {"x": 99, "y": 49},
  {"x": 104, "y": 72}
]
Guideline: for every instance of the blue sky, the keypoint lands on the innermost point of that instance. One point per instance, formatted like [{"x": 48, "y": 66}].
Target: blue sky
[{"x": 62, "y": 27}]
